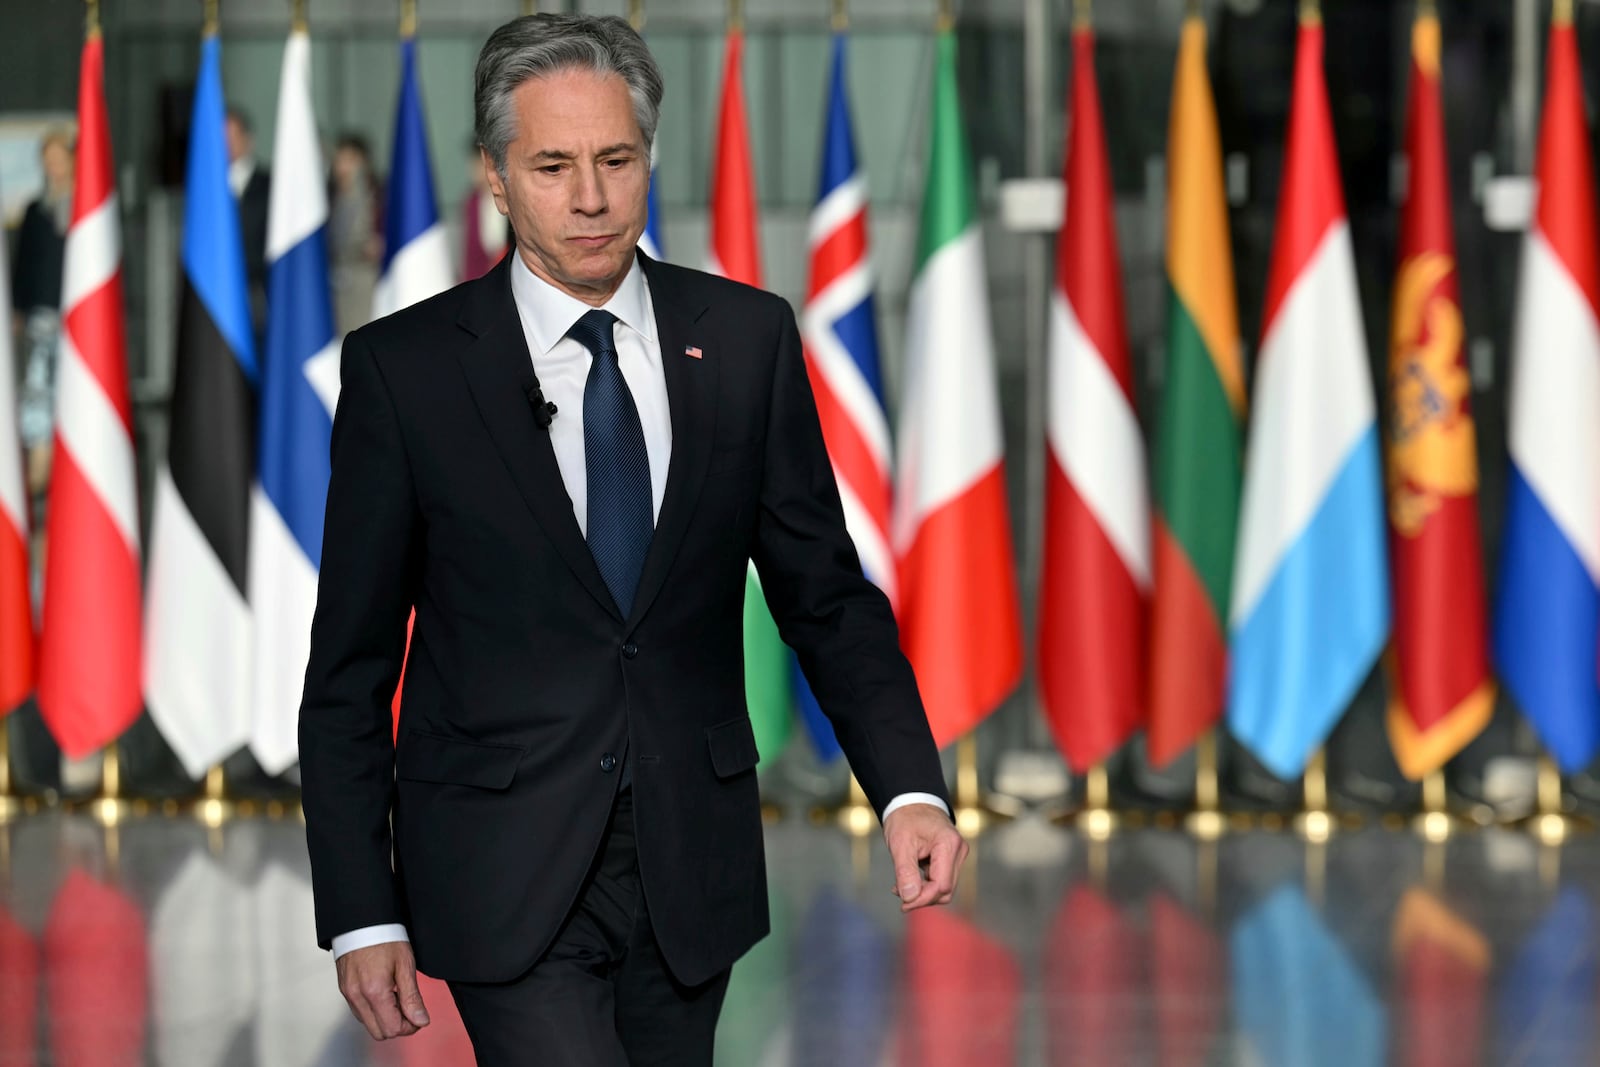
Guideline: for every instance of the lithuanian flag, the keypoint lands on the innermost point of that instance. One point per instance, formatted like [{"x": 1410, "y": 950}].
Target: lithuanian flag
[{"x": 1197, "y": 458}]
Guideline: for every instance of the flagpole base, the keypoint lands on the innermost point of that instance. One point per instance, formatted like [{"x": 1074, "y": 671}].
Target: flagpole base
[
  {"x": 1315, "y": 826},
  {"x": 1550, "y": 828},
  {"x": 107, "y": 811},
  {"x": 771, "y": 814},
  {"x": 14, "y": 807},
  {"x": 1206, "y": 825},
  {"x": 1435, "y": 826},
  {"x": 215, "y": 812}
]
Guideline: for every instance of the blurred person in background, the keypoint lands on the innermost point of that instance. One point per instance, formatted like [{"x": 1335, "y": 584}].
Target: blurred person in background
[
  {"x": 36, "y": 298},
  {"x": 250, "y": 183},
  {"x": 355, "y": 241},
  {"x": 484, "y": 231}
]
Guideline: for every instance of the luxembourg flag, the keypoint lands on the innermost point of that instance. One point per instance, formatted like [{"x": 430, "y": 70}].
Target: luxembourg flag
[
  {"x": 416, "y": 254},
  {"x": 299, "y": 389},
  {"x": 1548, "y": 621},
  {"x": 841, "y": 347},
  {"x": 1311, "y": 591}
]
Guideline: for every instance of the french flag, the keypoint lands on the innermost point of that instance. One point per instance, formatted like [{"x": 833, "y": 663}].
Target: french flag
[
  {"x": 1311, "y": 588},
  {"x": 416, "y": 253},
  {"x": 650, "y": 241},
  {"x": 840, "y": 334},
  {"x": 1548, "y": 621},
  {"x": 299, "y": 389}
]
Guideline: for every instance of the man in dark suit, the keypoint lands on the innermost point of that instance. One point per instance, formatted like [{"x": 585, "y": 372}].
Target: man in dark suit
[
  {"x": 251, "y": 184},
  {"x": 565, "y": 467}
]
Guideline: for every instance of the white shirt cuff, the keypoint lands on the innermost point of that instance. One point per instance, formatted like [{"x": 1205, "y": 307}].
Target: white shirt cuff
[
  {"x": 913, "y": 798},
  {"x": 368, "y": 936}
]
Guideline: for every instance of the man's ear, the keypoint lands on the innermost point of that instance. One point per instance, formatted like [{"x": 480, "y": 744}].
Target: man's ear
[{"x": 497, "y": 187}]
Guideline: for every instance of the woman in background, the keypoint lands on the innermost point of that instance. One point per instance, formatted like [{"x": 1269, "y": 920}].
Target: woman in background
[
  {"x": 36, "y": 298},
  {"x": 355, "y": 241}
]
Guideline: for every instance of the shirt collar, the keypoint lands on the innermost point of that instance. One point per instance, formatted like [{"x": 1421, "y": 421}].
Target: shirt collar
[{"x": 547, "y": 313}]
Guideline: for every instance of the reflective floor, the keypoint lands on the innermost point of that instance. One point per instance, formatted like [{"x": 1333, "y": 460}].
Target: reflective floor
[{"x": 160, "y": 943}]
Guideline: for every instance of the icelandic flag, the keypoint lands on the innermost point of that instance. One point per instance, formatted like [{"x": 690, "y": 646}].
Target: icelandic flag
[
  {"x": 416, "y": 254},
  {"x": 299, "y": 390},
  {"x": 1548, "y": 621},
  {"x": 1310, "y": 606},
  {"x": 841, "y": 351},
  {"x": 650, "y": 240}
]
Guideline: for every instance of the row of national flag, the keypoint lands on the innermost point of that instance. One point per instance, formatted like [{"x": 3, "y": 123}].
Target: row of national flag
[
  {"x": 1216, "y": 580},
  {"x": 236, "y": 522},
  {"x": 1213, "y": 580}
]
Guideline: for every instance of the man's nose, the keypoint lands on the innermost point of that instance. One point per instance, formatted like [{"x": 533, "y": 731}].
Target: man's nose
[{"x": 589, "y": 197}]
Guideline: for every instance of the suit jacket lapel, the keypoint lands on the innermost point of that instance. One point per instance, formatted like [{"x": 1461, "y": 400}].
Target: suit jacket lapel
[
  {"x": 499, "y": 372},
  {"x": 691, "y": 399}
]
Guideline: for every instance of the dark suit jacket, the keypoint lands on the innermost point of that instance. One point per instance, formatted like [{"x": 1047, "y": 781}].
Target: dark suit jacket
[
  {"x": 525, "y": 686},
  {"x": 253, "y": 205}
]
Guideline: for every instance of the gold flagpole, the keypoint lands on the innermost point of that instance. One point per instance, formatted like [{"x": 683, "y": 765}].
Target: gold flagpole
[
  {"x": 109, "y": 806},
  {"x": 1561, "y": 12},
  {"x": 408, "y": 18},
  {"x": 298, "y": 23},
  {"x": 1310, "y": 13},
  {"x": 212, "y": 17},
  {"x": 1096, "y": 819},
  {"x": 1548, "y": 822},
  {"x": 856, "y": 818},
  {"x": 11, "y": 805},
  {"x": 530, "y": 7},
  {"x": 1435, "y": 823},
  {"x": 1315, "y": 823},
  {"x": 946, "y": 19},
  {"x": 92, "y": 19},
  {"x": 970, "y": 816},
  {"x": 1206, "y": 821},
  {"x": 1082, "y": 14},
  {"x": 735, "y": 16},
  {"x": 636, "y": 15},
  {"x": 841, "y": 16}
]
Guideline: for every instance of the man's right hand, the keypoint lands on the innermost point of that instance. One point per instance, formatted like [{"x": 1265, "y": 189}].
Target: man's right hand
[{"x": 380, "y": 985}]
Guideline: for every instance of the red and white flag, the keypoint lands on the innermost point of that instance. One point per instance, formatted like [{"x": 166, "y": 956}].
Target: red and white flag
[
  {"x": 16, "y": 609},
  {"x": 1097, "y": 517},
  {"x": 89, "y": 651}
]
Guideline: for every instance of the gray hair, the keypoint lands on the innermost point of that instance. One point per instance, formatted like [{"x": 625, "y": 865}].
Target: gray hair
[{"x": 537, "y": 45}]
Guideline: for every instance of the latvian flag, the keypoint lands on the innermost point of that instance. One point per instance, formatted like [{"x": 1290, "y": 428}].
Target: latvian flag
[
  {"x": 1097, "y": 516},
  {"x": 198, "y": 665}
]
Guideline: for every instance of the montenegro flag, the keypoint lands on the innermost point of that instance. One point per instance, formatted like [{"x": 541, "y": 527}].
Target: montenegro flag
[{"x": 1442, "y": 692}]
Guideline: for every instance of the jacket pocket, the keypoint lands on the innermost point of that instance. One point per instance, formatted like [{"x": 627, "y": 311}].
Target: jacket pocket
[
  {"x": 733, "y": 747},
  {"x": 425, "y": 757}
]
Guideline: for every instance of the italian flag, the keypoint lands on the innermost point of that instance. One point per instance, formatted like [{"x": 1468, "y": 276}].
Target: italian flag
[
  {"x": 735, "y": 253},
  {"x": 1096, "y": 571},
  {"x": 1198, "y": 463},
  {"x": 959, "y": 621}
]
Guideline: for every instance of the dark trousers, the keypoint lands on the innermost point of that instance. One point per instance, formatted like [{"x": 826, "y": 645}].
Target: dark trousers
[{"x": 602, "y": 996}]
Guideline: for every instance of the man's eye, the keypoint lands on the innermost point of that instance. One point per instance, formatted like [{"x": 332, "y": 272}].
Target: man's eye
[{"x": 552, "y": 169}]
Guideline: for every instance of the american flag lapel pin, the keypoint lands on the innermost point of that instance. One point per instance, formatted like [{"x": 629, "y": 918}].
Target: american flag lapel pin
[{"x": 693, "y": 352}]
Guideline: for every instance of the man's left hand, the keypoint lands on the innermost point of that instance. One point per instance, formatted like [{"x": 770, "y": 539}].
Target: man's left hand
[{"x": 918, "y": 835}]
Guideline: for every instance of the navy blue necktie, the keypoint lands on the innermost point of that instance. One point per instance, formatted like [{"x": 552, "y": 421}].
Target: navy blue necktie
[{"x": 616, "y": 463}]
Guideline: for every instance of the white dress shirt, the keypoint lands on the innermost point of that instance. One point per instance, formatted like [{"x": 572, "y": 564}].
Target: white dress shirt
[{"x": 562, "y": 367}]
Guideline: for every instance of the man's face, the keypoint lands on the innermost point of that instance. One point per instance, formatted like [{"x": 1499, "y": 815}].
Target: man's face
[
  {"x": 57, "y": 160},
  {"x": 577, "y": 180},
  {"x": 240, "y": 143}
]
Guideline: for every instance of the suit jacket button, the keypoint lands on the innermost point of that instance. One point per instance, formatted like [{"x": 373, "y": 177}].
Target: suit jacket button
[
  {"x": 608, "y": 763},
  {"x": 630, "y": 650}
]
